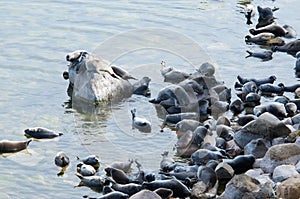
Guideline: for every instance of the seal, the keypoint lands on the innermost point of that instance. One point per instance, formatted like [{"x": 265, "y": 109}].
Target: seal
[
  {"x": 124, "y": 166},
  {"x": 249, "y": 12},
  {"x": 114, "y": 195},
  {"x": 277, "y": 30},
  {"x": 241, "y": 163},
  {"x": 85, "y": 169},
  {"x": 208, "y": 176},
  {"x": 61, "y": 159},
  {"x": 92, "y": 160},
  {"x": 258, "y": 82},
  {"x": 202, "y": 156},
  {"x": 167, "y": 163},
  {"x": 41, "y": 133},
  {"x": 265, "y": 55},
  {"x": 118, "y": 175},
  {"x": 145, "y": 194},
  {"x": 297, "y": 64},
  {"x": 291, "y": 33},
  {"x": 260, "y": 39},
  {"x": 128, "y": 189},
  {"x": 178, "y": 188},
  {"x": 7, "y": 146},
  {"x": 164, "y": 193},
  {"x": 139, "y": 123},
  {"x": 291, "y": 48},
  {"x": 122, "y": 73},
  {"x": 91, "y": 181},
  {"x": 172, "y": 75},
  {"x": 269, "y": 89}
]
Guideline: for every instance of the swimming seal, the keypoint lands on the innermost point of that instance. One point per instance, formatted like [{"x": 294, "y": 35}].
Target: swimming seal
[
  {"x": 265, "y": 55},
  {"x": 7, "y": 146},
  {"x": 41, "y": 133},
  {"x": 139, "y": 123},
  {"x": 61, "y": 159}
]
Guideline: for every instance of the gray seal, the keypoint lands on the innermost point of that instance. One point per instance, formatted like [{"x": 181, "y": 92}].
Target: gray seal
[
  {"x": 7, "y": 146},
  {"x": 178, "y": 188},
  {"x": 265, "y": 55},
  {"x": 41, "y": 133}
]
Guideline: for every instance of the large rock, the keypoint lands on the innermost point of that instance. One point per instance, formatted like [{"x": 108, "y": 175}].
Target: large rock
[
  {"x": 284, "y": 172},
  {"x": 243, "y": 186},
  {"x": 289, "y": 189},
  {"x": 279, "y": 155},
  {"x": 93, "y": 80},
  {"x": 265, "y": 126},
  {"x": 258, "y": 148},
  {"x": 224, "y": 171}
]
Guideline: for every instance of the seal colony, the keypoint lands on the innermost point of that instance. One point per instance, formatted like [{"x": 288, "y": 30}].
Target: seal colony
[
  {"x": 222, "y": 142},
  {"x": 226, "y": 143},
  {"x": 249, "y": 147}
]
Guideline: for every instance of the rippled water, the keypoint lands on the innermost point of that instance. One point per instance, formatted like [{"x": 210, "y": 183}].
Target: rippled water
[{"x": 36, "y": 35}]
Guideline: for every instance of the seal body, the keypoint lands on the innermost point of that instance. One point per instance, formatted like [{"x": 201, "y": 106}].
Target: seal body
[
  {"x": 41, "y": 133},
  {"x": 7, "y": 146},
  {"x": 178, "y": 188}
]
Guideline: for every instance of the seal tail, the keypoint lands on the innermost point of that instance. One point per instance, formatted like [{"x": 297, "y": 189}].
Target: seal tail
[
  {"x": 250, "y": 53},
  {"x": 133, "y": 112}
]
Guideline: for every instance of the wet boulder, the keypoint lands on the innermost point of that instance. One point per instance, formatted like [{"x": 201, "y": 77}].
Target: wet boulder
[
  {"x": 289, "y": 189},
  {"x": 279, "y": 155},
  {"x": 265, "y": 126}
]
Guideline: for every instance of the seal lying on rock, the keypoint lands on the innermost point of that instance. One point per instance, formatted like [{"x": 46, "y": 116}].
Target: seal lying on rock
[{"x": 93, "y": 79}]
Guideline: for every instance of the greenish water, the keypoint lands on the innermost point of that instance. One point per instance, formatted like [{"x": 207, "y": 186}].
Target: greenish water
[{"x": 35, "y": 37}]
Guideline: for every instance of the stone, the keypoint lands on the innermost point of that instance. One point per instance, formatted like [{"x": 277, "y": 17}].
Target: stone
[
  {"x": 284, "y": 172},
  {"x": 243, "y": 186},
  {"x": 199, "y": 191},
  {"x": 289, "y": 189},
  {"x": 280, "y": 154},
  {"x": 224, "y": 171},
  {"x": 265, "y": 126},
  {"x": 257, "y": 147}
]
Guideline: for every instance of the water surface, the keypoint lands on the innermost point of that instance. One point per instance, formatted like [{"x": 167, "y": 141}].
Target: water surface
[{"x": 35, "y": 37}]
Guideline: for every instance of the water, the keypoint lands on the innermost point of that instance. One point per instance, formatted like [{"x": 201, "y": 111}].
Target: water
[{"x": 35, "y": 37}]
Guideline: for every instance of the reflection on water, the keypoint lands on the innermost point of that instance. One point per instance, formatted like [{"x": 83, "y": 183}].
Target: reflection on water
[{"x": 36, "y": 36}]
